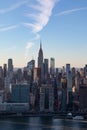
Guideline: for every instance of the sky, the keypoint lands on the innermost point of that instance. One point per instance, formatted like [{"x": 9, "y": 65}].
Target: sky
[{"x": 61, "y": 26}]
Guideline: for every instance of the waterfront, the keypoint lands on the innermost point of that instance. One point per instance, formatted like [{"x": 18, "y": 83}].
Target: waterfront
[{"x": 41, "y": 123}]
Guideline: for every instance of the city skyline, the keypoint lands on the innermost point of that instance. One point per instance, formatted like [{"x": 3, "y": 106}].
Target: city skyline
[{"x": 61, "y": 26}]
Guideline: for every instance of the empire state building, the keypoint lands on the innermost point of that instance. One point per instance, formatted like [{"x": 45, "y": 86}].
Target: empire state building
[{"x": 40, "y": 60}]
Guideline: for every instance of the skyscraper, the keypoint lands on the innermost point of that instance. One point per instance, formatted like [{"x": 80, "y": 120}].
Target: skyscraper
[
  {"x": 30, "y": 67},
  {"x": 69, "y": 90},
  {"x": 40, "y": 60},
  {"x": 1, "y": 72},
  {"x": 45, "y": 68},
  {"x": 69, "y": 81},
  {"x": 46, "y": 98},
  {"x": 64, "y": 94},
  {"x": 19, "y": 75},
  {"x": 67, "y": 68},
  {"x": 5, "y": 70},
  {"x": 1, "y": 78},
  {"x": 10, "y": 68},
  {"x": 31, "y": 64},
  {"x": 85, "y": 70},
  {"x": 52, "y": 66},
  {"x": 20, "y": 93}
]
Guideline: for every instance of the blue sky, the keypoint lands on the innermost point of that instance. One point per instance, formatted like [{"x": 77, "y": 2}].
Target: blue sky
[{"x": 60, "y": 24}]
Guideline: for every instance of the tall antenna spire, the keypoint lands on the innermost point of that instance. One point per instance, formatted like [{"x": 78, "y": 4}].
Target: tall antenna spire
[{"x": 40, "y": 44}]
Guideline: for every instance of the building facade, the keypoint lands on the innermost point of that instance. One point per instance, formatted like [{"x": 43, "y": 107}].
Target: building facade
[
  {"x": 40, "y": 61},
  {"x": 20, "y": 93},
  {"x": 52, "y": 66},
  {"x": 46, "y": 98},
  {"x": 45, "y": 68}
]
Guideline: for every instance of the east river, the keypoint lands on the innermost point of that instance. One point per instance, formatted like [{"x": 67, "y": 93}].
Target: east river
[{"x": 41, "y": 123}]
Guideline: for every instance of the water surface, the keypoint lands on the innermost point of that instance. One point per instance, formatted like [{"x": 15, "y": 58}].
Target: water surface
[{"x": 41, "y": 123}]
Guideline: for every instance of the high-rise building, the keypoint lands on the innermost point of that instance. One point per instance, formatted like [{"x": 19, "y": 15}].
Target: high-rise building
[
  {"x": 7, "y": 83},
  {"x": 31, "y": 64},
  {"x": 82, "y": 97},
  {"x": 20, "y": 93},
  {"x": 64, "y": 94},
  {"x": 46, "y": 98},
  {"x": 19, "y": 75},
  {"x": 40, "y": 60},
  {"x": 73, "y": 76},
  {"x": 85, "y": 70},
  {"x": 57, "y": 71},
  {"x": 1, "y": 78},
  {"x": 25, "y": 74},
  {"x": 69, "y": 89},
  {"x": 67, "y": 68},
  {"x": 82, "y": 74},
  {"x": 52, "y": 66},
  {"x": 30, "y": 67},
  {"x": 73, "y": 72},
  {"x": 69, "y": 81},
  {"x": 45, "y": 68},
  {"x": 77, "y": 81},
  {"x": 1, "y": 96},
  {"x": 37, "y": 74},
  {"x": 10, "y": 65},
  {"x": 5, "y": 70},
  {"x": 10, "y": 68},
  {"x": 63, "y": 71},
  {"x": 1, "y": 72}
]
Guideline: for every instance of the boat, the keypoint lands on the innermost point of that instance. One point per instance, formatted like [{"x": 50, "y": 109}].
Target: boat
[
  {"x": 78, "y": 118},
  {"x": 69, "y": 116}
]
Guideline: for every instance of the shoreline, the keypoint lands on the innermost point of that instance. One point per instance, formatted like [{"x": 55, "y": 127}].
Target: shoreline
[{"x": 28, "y": 114}]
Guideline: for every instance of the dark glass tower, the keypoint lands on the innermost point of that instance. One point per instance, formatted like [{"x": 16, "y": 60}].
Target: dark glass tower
[
  {"x": 40, "y": 60},
  {"x": 45, "y": 69}
]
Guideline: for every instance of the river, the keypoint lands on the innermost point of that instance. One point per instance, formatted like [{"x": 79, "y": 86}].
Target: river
[{"x": 41, "y": 123}]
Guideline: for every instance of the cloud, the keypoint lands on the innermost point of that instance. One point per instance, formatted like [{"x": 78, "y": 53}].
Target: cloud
[
  {"x": 12, "y": 7},
  {"x": 29, "y": 45},
  {"x": 43, "y": 11},
  {"x": 40, "y": 15},
  {"x": 35, "y": 37},
  {"x": 71, "y": 11},
  {"x": 7, "y": 28}
]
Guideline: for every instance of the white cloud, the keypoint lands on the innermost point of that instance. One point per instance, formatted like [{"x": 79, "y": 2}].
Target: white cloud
[
  {"x": 29, "y": 45},
  {"x": 71, "y": 11},
  {"x": 7, "y": 28},
  {"x": 42, "y": 16},
  {"x": 35, "y": 38},
  {"x": 12, "y": 7}
]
